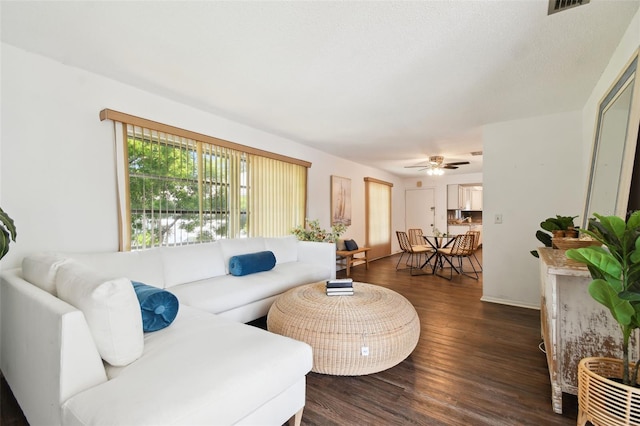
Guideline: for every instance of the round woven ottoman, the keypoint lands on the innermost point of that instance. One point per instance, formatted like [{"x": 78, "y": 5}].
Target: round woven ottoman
[{"x": 371, "y": 331}]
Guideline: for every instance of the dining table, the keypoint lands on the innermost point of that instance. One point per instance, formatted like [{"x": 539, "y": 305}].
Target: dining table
[{"x": 437, "y": 242}]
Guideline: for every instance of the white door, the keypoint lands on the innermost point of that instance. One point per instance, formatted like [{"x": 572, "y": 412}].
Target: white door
[{"x": 420, "y": 209}]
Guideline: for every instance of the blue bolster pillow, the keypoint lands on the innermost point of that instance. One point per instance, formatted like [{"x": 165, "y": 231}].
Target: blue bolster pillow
[
  {"x": 159, "y": 307},
  {"x": 245, "y": 264}
]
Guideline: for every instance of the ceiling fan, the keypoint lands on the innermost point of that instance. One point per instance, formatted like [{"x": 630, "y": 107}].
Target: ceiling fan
[{"x": 436, "y": 164}]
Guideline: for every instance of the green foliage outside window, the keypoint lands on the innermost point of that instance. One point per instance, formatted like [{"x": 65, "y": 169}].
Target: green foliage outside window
[{"x": 165, "y": 184}]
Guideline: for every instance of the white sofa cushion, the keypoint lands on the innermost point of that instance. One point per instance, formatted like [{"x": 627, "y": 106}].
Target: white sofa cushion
[
  {"x": 235, "y": 246},
  {"x": 202, "y": 370},
  {"x": 143, "y": 265},
  {"x": 284, "y": 248},
  {"x": 110, "y": 307},
  {"x": 220, "y": 294},
  {"x": 184, "y": 264},
  {"x": 41, "y": 269}
]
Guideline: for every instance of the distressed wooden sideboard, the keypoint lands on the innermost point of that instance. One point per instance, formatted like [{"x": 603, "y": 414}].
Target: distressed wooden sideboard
[{"x": 574, "y": 326}]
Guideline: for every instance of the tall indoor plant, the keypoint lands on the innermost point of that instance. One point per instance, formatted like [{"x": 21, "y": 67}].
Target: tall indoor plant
[
  {"x": 7, "y": 232},
  {"x": 615, "y": 269}
]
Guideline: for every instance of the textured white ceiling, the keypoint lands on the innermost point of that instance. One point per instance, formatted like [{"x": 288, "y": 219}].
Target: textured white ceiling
[{"x": 404, "y": 79}]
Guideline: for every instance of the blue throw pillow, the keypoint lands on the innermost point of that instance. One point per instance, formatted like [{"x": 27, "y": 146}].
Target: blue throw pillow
[
  {"x": 351, "y": 245},
  {"x": 245, "y": 264},
  {"x": 159, "y": 307}
]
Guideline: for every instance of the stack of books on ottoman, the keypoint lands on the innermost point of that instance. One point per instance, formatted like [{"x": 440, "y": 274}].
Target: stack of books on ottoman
[{"x": 340, "y": 287}]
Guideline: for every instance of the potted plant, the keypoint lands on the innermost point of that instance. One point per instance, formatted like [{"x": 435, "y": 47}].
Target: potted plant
[
  {"x": 313, "y": 232},
  {"x": 558, "y": 227},
  {"x": 7, "y": 232},
  {"x": 615, "y": 269}
]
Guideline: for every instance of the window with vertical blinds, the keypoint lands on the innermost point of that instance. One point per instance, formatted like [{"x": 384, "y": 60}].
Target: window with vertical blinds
[
  {"x": 277, "y": 190},
  {"x": 178, "y": 187},
  {"x": 378, "y": 214}
]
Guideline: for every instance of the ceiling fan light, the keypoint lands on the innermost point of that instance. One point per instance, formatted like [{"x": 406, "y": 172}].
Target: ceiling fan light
[{"x": 436, "y": 160}]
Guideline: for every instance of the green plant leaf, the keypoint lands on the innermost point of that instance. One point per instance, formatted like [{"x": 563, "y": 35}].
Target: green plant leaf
[
  {"x": 8, "y": 223},
  {"x": 631, "y": 296},
  {"x": 534, "y": 253},
  {"x": 613, "y": 224},
  {"x": 602, "y": 260},
  {"x": 576, "y": 255},
  {"x": 565, "y": 222},
  {"x": 633, "y": 278},
  {"x": 7, "y": 232},
  {"x": 544, "y": 238},
  {"x": 621, "y": 310},
  {"x": 635, "y": 256},
  {"x": 550, "y": 225},
  {"x": 634, "y": 220},
  {"x": 4, "y": 242}
]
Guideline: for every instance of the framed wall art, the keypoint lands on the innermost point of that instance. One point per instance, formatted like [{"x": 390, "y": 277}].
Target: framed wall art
[{"x": 340, "y": 200}]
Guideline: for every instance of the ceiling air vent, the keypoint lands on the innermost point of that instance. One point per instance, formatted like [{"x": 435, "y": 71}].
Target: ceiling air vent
[
  {"x": 560, "y": 5},
  {"x": 476, "y": 153}
]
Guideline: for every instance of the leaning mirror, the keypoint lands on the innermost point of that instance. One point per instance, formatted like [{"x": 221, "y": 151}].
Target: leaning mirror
[{"x": 614, "y": 147}]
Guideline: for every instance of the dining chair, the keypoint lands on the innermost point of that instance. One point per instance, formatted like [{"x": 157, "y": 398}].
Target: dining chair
[
  {"x": 459, "y": 249},
  {"x": 417, "y": 240},
  {"x": 476, "y": 245},
  {"x": 413, "y": 252},
  {"x": 416, "y": 237}
]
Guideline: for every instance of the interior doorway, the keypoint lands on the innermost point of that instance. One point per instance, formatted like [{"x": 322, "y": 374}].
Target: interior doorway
[{"x": 420, "y": 210}]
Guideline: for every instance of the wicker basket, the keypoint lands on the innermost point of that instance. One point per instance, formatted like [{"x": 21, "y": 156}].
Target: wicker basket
[
  {"x": 571, "y": 243},
  {"x": 602, "y": 401}
]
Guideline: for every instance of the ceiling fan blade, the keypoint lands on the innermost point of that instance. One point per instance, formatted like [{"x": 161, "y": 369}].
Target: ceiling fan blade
[
  {"x": 457, "y": 163},
  {"x": 449, "y": 166},
  {"x": 409, "y": 167}
]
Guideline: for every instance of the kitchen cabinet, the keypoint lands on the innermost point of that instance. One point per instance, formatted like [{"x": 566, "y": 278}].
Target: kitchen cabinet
[
  {"x": 475, "y": 198},
  {"x": 453, "y": 197},
  {"x": 464, "y": 197}
]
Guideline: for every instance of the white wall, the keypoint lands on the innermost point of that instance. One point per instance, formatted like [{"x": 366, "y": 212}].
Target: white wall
[
  {"x": 57, "y": 170},
  {"x": 532, "y": 170}
]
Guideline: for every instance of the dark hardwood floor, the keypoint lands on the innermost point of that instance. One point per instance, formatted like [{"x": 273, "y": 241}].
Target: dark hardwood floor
[{"x": 476, "y": 363}]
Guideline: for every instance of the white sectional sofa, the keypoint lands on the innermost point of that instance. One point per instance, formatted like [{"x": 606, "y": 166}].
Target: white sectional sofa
[{"x": 206, "y": 367}]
